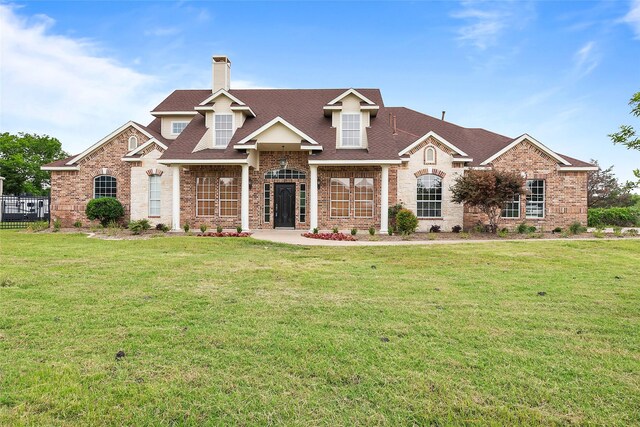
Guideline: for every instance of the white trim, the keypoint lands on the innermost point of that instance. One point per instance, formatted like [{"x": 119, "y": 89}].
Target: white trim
[
  {"x": 577, "y": 168},
  {"x": 106, "y": 139},
  {"x": 273, "y": 122},
  {"x": 354, "y": 162},
  {"x": 436, "y": 136},
  {"x": 175, "y": 197},
  {"x": 244, "y": 198},
  {"x": 313, "y": 197},
  {"x": 478, "y": 168},
  {"x": 535, "y": 142},
  {"x": 462, "y": 159},
  {"x": 204, "y": 162},
  {"x": 58, "y": 168},
  {"x": 351, "y": 92},
  {"x": 135, "y": 159},
  {"x": 244, "y": 108},
  {"x": 384, "y": 199},
  {"x": 145, "y": 145},
  {"x": 173, "y": 113},
  {"x": 255, "y": 147},
  {"x": 221, "y": 92}
]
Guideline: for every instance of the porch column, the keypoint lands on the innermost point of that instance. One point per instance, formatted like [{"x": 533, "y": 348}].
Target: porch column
[
  {"x": 244, "y": 202},
  {"x": 313, "y": 198},
  {"x": 384, "y": 199},
  {"x": 175, "y": 201}
]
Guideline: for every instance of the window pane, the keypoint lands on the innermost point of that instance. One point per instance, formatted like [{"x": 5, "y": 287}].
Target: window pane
[
  {"x": 154, "y": 195},
  {"x": 267, "y": 203},
  {"x": 228, "y": 197},
  {"x": 205, "y": 196},
  {"x": 104, "y": 186},
  {"x": 512, "y": 207},
  {"x": 178, "y": 127},
  {"x": 285, "y": 174},
  {"x": 339, "y": 198},
  {"x": 429, "y": 196},
  {"x": 351, "y": 130},
  {"x": 303, "y": 202},
  {"x": 363, "y": 197},
  {"x": 223, "y": 129},
  {"x": 535, "y": 198}
]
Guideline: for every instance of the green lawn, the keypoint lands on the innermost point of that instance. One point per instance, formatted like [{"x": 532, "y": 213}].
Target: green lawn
[{"x": 225, "y": 332}]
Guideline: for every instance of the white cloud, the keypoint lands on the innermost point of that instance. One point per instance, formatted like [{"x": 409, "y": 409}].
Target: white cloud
[
  {"x": 486, "y": 22},
  {"x": 586, "y": 59},
  {"x": 162, "y": 31},
  {"x": 61, "y": 86},
  {"x": 633, "y": 18}
]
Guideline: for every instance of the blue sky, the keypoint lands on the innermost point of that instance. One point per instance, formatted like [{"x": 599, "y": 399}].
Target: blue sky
[{"x": 560, "y": 71}]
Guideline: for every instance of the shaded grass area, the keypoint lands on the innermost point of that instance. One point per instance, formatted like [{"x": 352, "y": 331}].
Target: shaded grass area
[{"x": 237, "y": 331}]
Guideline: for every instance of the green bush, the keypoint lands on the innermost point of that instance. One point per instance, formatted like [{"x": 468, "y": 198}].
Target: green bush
[
  {"x": 522, "y": 228},
  {"x": 315, "y": 230},
  {"x": 393, "y": 211},
  {"x": 105, "y": 210},
  {"x": 622, "y": 217},
  {"x": 186, "y": 227},
  {"x": 203, "y": 228},
  {"x": 57, "y": 225},
  {"x": 335, "y": 230},
  {"x": 219, "y": 229},
  {"x": 577, "y": 228},
  {"x": 77, "y": 224},
  {"x": 372, "y": 231},
  {"x": 354, "y": 231},
  {"x": 139, "y": 226},
  {"x": 631, "y": 232},
  {"x": 239, "y": 229},
  {"x": 34, "y": 227},
  {"x": 406, "y": 222},
  {"x": 503, "y": 233}
]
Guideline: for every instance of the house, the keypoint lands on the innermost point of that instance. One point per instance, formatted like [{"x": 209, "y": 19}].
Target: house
[{"x": 306, "y": 158}]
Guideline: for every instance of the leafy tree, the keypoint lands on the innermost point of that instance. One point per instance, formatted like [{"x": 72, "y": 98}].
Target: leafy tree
[
  {"x": 488, "y": 191},
  {"x": 21, "y": 156},
  {"x": 627, "y": 134},
  {"x": 105, "y": 210},
  {"x": 604, "y": 190}
]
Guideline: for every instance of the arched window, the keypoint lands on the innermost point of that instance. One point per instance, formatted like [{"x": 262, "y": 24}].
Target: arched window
[
  {"x": 429, "y": 196},
  {"x": 133, "y": 142},
  {"x": 104, "y": 186},
  {"x": 429, "y": 156}
]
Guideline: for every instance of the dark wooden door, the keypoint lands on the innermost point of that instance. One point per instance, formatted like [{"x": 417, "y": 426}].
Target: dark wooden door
[{"x": 285, "y": 205}]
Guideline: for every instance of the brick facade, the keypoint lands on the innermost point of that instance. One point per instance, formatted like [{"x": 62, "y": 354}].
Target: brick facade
[
  {"x": 72, "y": 190},
  {"x": 565, "y": 192}
]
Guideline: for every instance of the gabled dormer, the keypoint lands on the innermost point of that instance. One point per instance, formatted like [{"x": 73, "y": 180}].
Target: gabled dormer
[
  {"x": 223, "y": 112},
  {"x": 351, "y": 114}
]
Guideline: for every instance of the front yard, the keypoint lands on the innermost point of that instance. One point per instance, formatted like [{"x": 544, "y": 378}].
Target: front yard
[{"x": 238, "y": 331}]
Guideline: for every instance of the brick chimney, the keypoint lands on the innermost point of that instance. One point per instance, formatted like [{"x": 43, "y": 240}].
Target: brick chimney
[{"x": 220, "y": 73}]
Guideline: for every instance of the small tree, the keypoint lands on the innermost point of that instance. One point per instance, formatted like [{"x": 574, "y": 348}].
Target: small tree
[
  {"x": 627, "y": 135},
  {"x": 488, "y": 191},
  {"x": 604, "y": 190},
  {"x": 105, "y": 210}
]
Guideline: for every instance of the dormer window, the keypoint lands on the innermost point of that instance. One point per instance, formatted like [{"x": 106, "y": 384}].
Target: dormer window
[
  {"x": 178, "y": 127},
  {"x": 351, "y": 133},
  {"x": 133, "y": 142},
  {"x": 223, "y": 129}
]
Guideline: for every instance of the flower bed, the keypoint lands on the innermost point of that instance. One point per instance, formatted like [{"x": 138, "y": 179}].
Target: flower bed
[
  {"x": 224, "y": 234},
  {"x": 330, "y": 236}
]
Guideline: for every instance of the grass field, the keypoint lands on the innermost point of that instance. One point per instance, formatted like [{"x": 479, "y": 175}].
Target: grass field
[{"x": 241, "y": 332}]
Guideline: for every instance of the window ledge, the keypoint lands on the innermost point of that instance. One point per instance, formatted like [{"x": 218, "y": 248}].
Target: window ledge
[{"x": 435, "y": 218}]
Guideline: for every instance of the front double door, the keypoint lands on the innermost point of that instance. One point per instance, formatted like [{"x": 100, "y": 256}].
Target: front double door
[{"x": 285, "y": 206}]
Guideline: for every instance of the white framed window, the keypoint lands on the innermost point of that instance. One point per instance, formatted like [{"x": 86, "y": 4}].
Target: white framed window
[
  {"x": 351, "y": 132},
  {"x": 511, "y": 207},
  {"x": 178, "y": 127},
  {"x": 228, "y": 199},
  {"x": 205, "y": 196},
  {"x": 133, "y": 142},
  {"x": 363, "y": 197},
  {"x": 429, "y": 156},
  {"x": 535, "y": 198},
  {"x": 154, "y": 195},
  {"x": 104, "y": 186},
  {"x": 339, "y": 198},
  {"x": 429, "y": 196},
  {"x": 223, "y": 124}
]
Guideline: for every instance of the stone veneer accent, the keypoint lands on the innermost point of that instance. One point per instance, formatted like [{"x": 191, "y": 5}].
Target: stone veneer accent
[
  {"x": 445, "y": 168},
  {"x": 565, "y": 192},
  {"x": 140, "y": 186},
  {"x": 72, "y": 190}
]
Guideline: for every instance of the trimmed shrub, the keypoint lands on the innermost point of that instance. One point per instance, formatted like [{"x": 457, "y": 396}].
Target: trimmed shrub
[
  {"x": 354, "y": 231},
  {"x": 105, "y": 210},
  {"x": 219, "y": 229},
  {"x": 434, "y": 229},
  {"x": 456, "y": 229},
  {"x": 239, "y": 229},
  {"x": 186, "y": 227},
  {"x": 203, "y": 227},
  {"x": 162, "y": 227},
  {"x": 372, "y": 231},
  {"x": 406, "y": 222},
  {"x": 621, "y": 217}
]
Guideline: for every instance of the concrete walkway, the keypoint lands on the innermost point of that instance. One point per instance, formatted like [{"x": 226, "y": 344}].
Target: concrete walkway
[{"x": 294, "y": 237}]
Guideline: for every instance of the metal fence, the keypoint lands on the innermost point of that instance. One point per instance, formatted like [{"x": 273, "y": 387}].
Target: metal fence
[{"x": 19, "y": 211}]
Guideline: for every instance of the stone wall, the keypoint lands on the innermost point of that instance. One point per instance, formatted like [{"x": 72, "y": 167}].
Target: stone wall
[
  {"x": 140, "y": 187},
  {"x": 408, "y": 173},
  {"x": 565, "y": 192}
]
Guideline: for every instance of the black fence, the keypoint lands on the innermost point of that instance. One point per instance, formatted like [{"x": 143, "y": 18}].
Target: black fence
[{"x": 19, "y": 211}]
